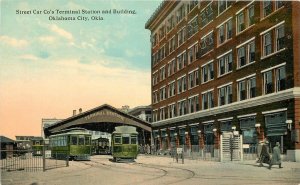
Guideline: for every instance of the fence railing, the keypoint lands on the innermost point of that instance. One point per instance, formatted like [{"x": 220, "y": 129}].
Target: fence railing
[
  {"x": 22, "y": 160},
  {"x": 207, "y": 152},
  {"x": 32, "y": 160}
]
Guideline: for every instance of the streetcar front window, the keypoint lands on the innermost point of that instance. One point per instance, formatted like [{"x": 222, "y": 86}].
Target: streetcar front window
[
  {"x": 81, "y": 140},
  {"x": 125, "y": 140},
  {"x": 133, "y": 140},
  {"x": 117, "y": 140},
  {"x": 73, "y": 140},
  {"x": 87, "y": 140}
]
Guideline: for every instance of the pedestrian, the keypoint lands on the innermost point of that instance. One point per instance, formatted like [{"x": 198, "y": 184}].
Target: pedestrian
[
  {"x": 264, "y": 154},
  {"x": 276, "y": 158},
  {"x": 148, "y": 149}
]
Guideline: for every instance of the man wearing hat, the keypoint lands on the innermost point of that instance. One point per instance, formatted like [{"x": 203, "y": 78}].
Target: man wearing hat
[
  {"x": 276, "y": 158},
  {"x": 264, "y": 156}
]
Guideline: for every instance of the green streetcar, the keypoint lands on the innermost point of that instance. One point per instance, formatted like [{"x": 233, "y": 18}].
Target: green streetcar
[
  {"x": 124, "y": 143},
  {"x": 37, "y": 146},
  {"x": 75, "y": 143},
  {"x": 100, "y": 146}
]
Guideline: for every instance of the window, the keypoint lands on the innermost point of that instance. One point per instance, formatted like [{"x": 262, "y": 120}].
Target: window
[
  {"x": 225, "y": 31},
  {"x": 207, "y": 100},
  {"x": 251, "y": 15},
  {"x": 171, "y": 88},
  {"x": 245, "y": 18},
  {"x": 155, "y": 96},
  {"x": 125, "y": 140},
  {"x": 206, "y": 15},
  {"x": 192, "y": 27},
  {"x": 81, "y": 140},
  {"x": 226, "y": 126},
  {"x": 247, "y": 88},
  {"x": 133, "y": 140},
  {"x": 280, "y": 38},
  {"x": 162, "y": 113},
  {"x": 172, "y": 110},
  {"x": 154, "y": 40},
  {"x": 171, "y": 67},
  {"x": 155, "y": 77},
  {"x": 181, "y": 84},
  {"x": 170, "y": 23},
  {"x": 241, "y": 22},
  {"x": 242, "y": 90},
  {"x": 225, "y": 64},
  {"x": 280, "y": 79},
  {"x": 223, "y": 5},
  {"x": 246, "y": 54},
  {"x": 193, "y": 104},
  {"x": 162, "y": 32},
  {"x": 267, "y": 44},
  {"x": 207, "y": 72},
  {"x": 181, "y": 61},
  {"x": 87, "y": 140},
  {"x": 193, "y": 53},
  {"x": 172, "y": 44},
  {"x": 154, "y": 115},
  {"x": 181, "y": 13},
  {"x": 273, "y": 39},
  {"x": 193, "y": 78},
  {"x": 267, "y": 7},
  {"x": 181, "y": 107},
  {"x": 162, "y": 73},
  {"x": 252, "y": 87},
  {"x": 181, "y": 35},
  {"x": 206, "y": 43},
  {"x": 193, "y": 4},
  {"x": 73, "y": 140},
  {"x": 225, "y": 95},
  {"x": 268, "y": 85},
  {"x": 271, "y": 6},
  {"x": 163, "y": 93}
]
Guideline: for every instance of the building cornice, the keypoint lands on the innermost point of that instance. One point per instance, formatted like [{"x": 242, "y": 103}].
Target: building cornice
[{"x": 257, "y": 101}]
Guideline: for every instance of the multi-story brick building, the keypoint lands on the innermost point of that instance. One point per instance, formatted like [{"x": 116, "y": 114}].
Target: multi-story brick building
[{"x": 224, "y": 65}]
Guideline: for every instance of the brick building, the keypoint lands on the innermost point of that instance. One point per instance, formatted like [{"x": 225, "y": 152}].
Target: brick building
[{"x": 219, "y": 66}]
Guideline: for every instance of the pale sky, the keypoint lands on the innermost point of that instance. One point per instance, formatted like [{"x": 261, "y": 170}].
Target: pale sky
[{"x": 50, "y": 67}]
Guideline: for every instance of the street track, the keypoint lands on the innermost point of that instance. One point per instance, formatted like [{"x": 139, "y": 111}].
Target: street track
[{"x": 162, "y": 175}]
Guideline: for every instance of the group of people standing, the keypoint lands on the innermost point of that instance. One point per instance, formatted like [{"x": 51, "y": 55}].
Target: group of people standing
[{"x": 265, "y": 157}]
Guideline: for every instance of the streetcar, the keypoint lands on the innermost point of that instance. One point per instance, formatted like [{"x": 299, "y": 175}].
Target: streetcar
[
  {"x": 100, "y": 146},
  {"x": 124, "y": 143},
  {"x": 74, "y": 143},
  {"x": 37, "y": 146}
]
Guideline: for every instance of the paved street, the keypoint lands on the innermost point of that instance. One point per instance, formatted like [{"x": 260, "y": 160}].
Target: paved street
[{"x": 152, "y": 170}]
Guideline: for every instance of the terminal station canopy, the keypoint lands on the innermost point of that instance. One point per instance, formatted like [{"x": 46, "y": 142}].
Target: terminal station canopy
[{"x": 103, "y": 118}]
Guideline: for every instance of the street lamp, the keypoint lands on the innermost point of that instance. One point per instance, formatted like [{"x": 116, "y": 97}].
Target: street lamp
[
  {"x": 233, "y": 128},
  {"x": 289, "y": 124},
  {"x": 257, "y": 126},
  {"x": 215, "y": 131},
  {"x": 199, "y": 133}
]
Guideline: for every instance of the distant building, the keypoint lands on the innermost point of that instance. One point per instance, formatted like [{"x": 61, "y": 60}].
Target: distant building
[
  {"x": 24, "y": 142},
  {"x": 47, "y": 122},
  {"x": 125, "y": 108},
  {"x": 6, "y": 145},
  {"x": 142, "y": 112}
]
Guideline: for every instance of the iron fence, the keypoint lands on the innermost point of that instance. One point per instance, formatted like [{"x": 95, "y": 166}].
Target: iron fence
[
  {"x": 22, "y": 160},
  {"x": 32, "y": 160}
]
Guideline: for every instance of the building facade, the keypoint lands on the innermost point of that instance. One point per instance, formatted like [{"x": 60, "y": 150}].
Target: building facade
[
  {"x": 46, "y": 122},
  {"x": 219, "y": 66},
  {"x": 142, "y": 112}
]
